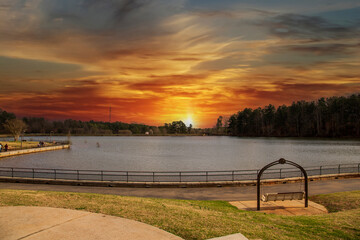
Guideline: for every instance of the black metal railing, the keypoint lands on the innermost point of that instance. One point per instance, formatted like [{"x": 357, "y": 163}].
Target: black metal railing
[{"x": 171, "y": 176}]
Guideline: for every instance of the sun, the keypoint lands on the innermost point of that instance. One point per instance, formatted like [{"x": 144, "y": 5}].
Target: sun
[{"x": 189, "y": 121}]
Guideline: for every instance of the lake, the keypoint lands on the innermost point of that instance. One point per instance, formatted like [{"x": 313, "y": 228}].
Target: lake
[{"x": 155, "y": 153}]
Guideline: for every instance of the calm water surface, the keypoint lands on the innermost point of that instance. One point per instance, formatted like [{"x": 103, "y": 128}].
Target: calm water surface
[{"x": 188, "y": 153}]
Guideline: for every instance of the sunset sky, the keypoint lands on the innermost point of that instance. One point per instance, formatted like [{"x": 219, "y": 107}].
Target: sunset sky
[{"x": 157, "y": 61}]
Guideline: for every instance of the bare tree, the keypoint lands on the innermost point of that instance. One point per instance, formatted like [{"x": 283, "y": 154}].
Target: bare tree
[{"x": 15, "y": 127}]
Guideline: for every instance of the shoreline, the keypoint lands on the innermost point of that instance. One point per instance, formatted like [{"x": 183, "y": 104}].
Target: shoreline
[
  {"x": 32, "y": 150},
  {"x": 349, "y": 138}
]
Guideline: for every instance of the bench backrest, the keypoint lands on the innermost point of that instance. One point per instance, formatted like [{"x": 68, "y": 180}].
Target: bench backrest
[{"x": 282, "y": 196}]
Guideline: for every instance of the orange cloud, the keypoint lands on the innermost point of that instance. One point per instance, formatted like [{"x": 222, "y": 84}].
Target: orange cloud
[{"x": 156, "y": 62}]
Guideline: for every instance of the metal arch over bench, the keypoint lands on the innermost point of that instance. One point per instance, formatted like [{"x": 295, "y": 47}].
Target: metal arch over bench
[{"x": 285, "y": 195}]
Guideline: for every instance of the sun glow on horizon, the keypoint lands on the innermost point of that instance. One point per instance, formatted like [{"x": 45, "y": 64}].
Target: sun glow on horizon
[{"x": 189, "y": 121}]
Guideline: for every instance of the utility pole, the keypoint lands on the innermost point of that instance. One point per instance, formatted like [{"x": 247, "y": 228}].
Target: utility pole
[{"x": 110, "y": 113}]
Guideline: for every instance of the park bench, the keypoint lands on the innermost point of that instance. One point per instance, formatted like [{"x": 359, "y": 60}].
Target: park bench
[{"x": 282, "y": 196}]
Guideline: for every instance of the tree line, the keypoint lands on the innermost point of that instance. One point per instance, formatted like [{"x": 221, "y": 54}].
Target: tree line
[
  {"x": 36, "y": 125},
  {"x": 70, "y": 126},
  {"x": 330, "y": 117}
]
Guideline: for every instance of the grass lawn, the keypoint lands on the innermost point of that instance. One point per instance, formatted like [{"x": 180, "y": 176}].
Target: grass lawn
[
  {"x": 206, "y": 219},
  {"x": 17, "y": 145},
  {"x": 336, "y": 202}
]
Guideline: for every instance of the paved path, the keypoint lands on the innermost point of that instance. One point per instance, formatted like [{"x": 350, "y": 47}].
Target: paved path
[
  {"x": 287, "y": 207},
  {"x": 43, "y": 223},
  {"x": 236, "y": 236},
  {"x": 221, "y": 193},
  {"x": 32, "y": 150}
]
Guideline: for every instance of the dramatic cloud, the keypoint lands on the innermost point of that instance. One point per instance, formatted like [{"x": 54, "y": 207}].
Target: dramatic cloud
[
  {"x": 158, "y": 61},
  {"x": 325, "y": 49},
  {"x": 308, "y": 27}
]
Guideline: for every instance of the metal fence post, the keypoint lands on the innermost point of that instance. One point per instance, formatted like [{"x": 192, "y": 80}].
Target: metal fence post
[
  {"x": 55, "y": 174},
  {"x": 33, "y": 172},
  {"x": 339, "y": 169},
  {"x": 12, "y": 172},
  {"x": 102, "y": 177},
  {"x": 180, "y": 176},
  {"x": 206, "y": 176},
  {"x": 232, "y": 175},
  {"x": 320, "y": 170},
  {"x": 153, "y": 176},
  {"x": 78, "y": 177},
  {"x": 127, "y": 176},
  {"x": 280, "y": 172}
]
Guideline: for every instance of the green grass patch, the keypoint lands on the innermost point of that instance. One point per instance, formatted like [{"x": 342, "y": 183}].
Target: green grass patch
[
  {"x": 199, "y": 219},
  {"x": 336, "y": 202}
]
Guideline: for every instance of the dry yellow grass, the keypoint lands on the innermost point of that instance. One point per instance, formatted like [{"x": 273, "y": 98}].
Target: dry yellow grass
[{"x": 26, "y": 144}]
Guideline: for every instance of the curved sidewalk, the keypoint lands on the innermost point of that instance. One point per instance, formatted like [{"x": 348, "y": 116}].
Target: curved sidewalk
[
  {"x": 43, "y": 223},
  {"x": 211, "y": 193},
  {"x": 32, "y": 150}
]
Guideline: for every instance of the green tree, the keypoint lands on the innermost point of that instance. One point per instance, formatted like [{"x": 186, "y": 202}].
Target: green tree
[
  {"x": 219, "y": 122},
  {"x": 232, "y": 130},
  {"x": 331, "y": 117},
  {"x": 4, "y": 116},
  {"x": 190, "y": 129},
  {"x": 269, "y": 119}
]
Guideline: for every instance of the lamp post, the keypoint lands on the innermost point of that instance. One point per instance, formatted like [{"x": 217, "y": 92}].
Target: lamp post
[
  {"x": 51, "y": 133},
  {"x": 22, "y": 135}
]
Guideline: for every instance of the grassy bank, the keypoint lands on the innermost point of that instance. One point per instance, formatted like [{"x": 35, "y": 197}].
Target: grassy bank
[
  {"x": 337, "y": 202},
  {"x": 17, "y": 145},
  {"x": 204, "y": 219}
]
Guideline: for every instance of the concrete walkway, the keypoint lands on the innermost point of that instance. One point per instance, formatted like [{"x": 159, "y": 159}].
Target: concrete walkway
[
  {"x": 213, "y": 193},
  {"x": 287, "y": 208},
  {"x": 32, "y": 150},
  {"x": 236, "y": 236},
  {"x": 43, "y": 223}
]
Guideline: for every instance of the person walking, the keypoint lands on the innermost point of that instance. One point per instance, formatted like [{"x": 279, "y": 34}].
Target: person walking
[{"x": 6, "y": 147}]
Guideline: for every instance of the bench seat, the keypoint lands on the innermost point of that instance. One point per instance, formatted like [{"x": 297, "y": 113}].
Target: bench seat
[{"x": 282, "y": 196}]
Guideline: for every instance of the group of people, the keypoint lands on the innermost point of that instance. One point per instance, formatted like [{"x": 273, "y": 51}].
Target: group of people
[
  {"x": 5, "y": 147},
  {"x": 41, "y": 144}
]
